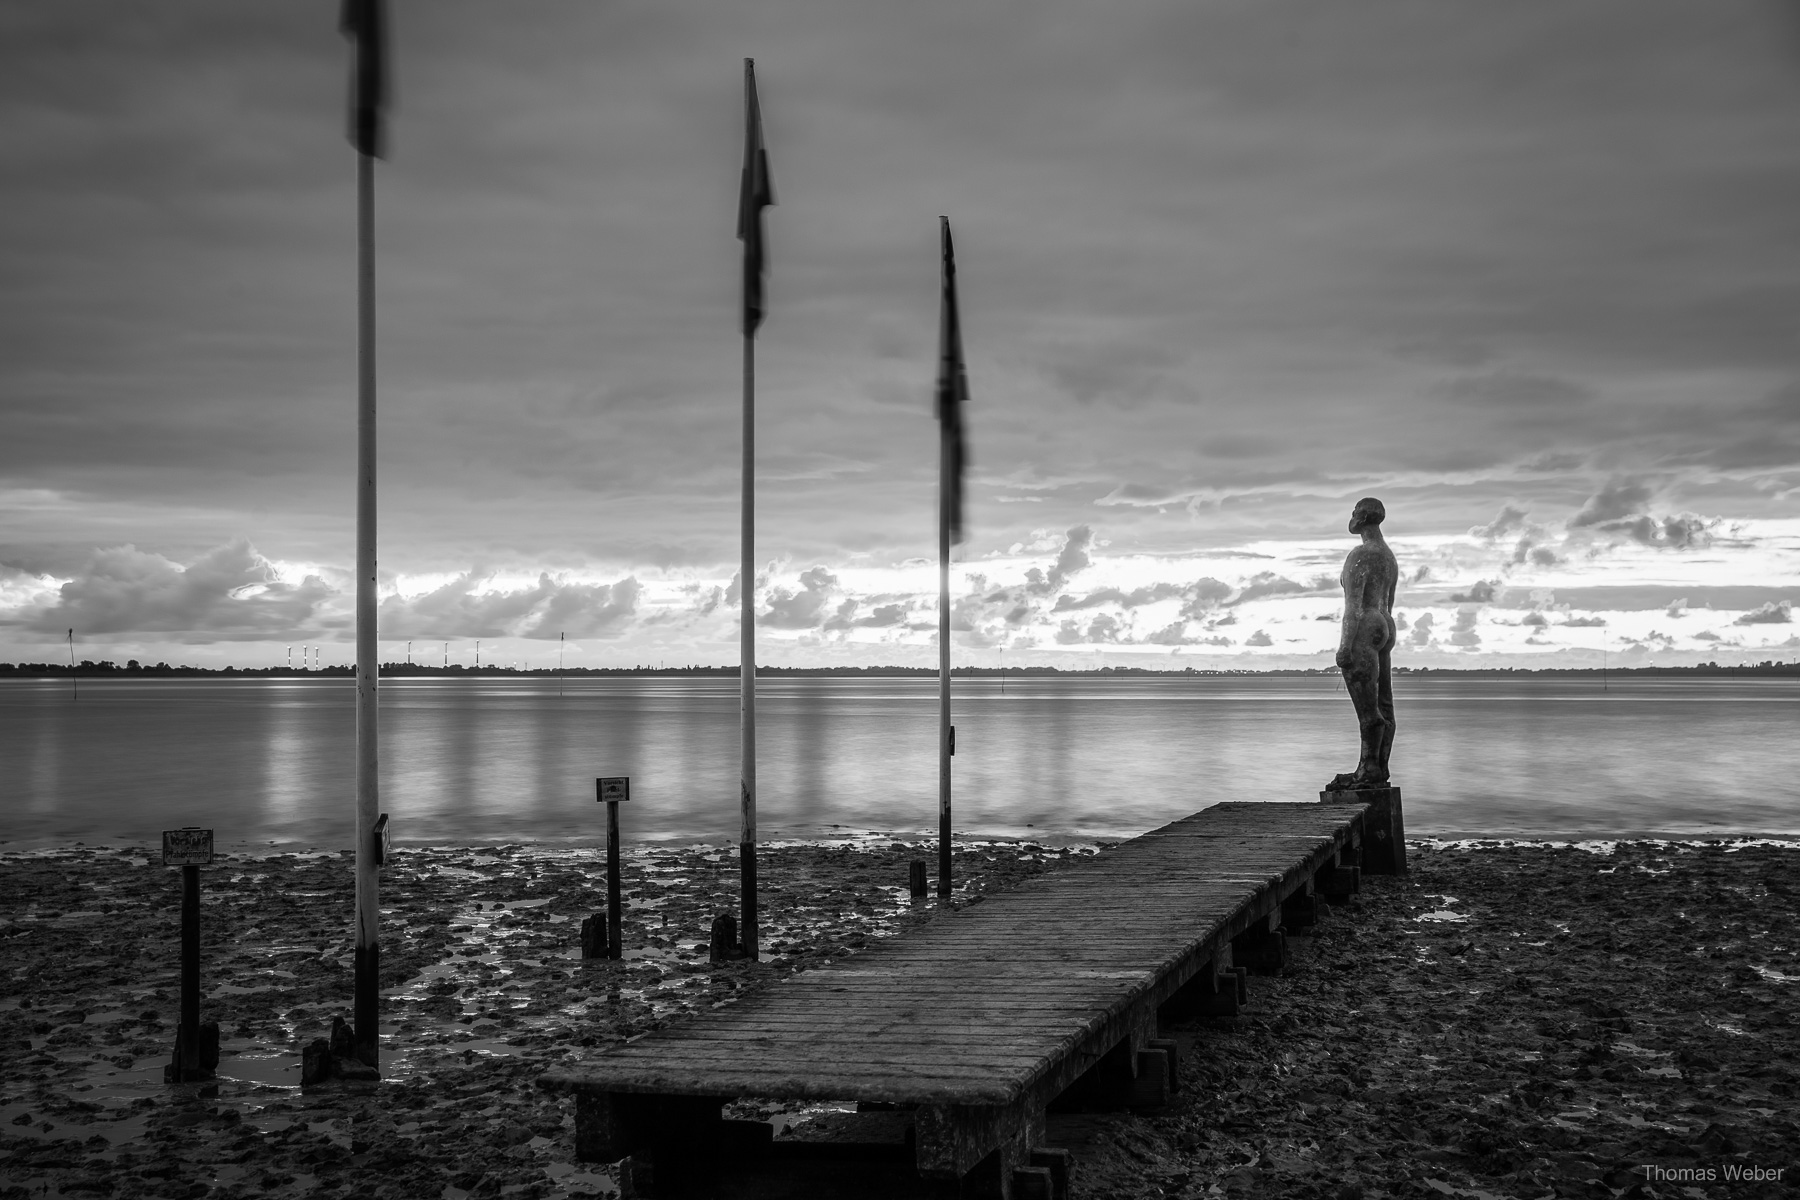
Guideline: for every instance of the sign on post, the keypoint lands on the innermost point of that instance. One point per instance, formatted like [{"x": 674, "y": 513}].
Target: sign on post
[
  {"x": 187, "y": 847},
  {"x": 384, "y": 846},
  {"x": 615, "y": 790}
]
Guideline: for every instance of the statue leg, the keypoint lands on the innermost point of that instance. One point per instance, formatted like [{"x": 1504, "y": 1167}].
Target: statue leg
[
  {"x": 1363, "y": 682},
  {"x": 1384, "y": 705},
  {"x": 1360, "y": 680}
]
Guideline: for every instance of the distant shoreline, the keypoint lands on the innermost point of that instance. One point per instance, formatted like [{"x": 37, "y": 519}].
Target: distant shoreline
[{"x": 394, "y": 670}]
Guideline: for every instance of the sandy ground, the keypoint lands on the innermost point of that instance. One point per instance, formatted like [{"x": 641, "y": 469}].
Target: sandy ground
[{"x": 1519, "y": 1021}]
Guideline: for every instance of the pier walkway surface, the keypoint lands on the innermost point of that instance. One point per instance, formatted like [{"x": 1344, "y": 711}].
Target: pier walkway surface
[{"x": 954, "y": 1039}]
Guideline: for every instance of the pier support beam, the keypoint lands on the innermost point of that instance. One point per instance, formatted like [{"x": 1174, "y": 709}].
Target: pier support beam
[
  {"x": 1263, "y": 947},
  {"x": 1384, "y": 829},
  {"x": 1304, "y": 909}
]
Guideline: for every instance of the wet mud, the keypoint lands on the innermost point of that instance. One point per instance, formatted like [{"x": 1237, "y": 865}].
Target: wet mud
[
  {"x": 1517, "y": 1021},
  {"x": 1506, "y": 1021}
]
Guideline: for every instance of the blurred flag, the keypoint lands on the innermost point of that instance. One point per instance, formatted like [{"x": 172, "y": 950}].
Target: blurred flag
[
  {"x": 365, "y": 23},
  {"x": 952, "y": 392},
  {"x": 755, "y": 193}
]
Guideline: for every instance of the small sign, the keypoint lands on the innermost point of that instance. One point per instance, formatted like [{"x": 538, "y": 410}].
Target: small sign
[
  {"x": 384, "y": 849},
  {"x": 187, "y": 847},
  {"x": 614, "y": 790}
]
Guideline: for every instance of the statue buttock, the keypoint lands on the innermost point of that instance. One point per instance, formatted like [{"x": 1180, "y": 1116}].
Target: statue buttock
[{"x": 1366, "y": 645}]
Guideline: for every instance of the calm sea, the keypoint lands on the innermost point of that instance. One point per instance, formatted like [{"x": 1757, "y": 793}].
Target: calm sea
[{"x": 483, "y": 761}]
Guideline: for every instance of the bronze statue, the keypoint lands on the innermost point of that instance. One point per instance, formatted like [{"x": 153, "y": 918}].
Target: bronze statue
[{"x": 1369, "y": 578}]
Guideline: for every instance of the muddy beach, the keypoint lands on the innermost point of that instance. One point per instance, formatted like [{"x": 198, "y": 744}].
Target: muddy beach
[{"x": 1508, "y": 1020}]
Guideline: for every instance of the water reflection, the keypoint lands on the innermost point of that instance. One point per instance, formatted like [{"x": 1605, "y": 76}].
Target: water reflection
[
  {"x": 286, "y": 788},
  {"x": 497, "y": 759}
]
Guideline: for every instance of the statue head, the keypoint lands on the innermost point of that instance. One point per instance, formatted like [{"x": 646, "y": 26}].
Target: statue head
[{"x": 1368, "y": 511}]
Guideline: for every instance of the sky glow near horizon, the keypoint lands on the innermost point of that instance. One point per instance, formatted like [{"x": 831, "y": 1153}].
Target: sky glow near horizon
[{"x": 1520, "y": 271}]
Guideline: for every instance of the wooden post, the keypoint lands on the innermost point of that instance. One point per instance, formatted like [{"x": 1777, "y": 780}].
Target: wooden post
[
  {"x": 187, "y": 1037},
  {"x": 593, "y": 937},
  {"x": 615, "y": 915},
  {"x": 613, "y": 792},
  {"x": 196, "y": 1046},
  {"x": 917, "y": 879}
]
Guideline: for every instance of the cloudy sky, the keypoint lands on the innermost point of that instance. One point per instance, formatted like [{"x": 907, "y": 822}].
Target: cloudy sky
[{"x": 1528, "y": 272}]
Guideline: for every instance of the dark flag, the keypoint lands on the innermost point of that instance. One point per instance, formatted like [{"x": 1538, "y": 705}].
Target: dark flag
[
  {"x": 755, "y": 193},
  {"x": 952, "y": 393},
  {"x": 365, "y": 23}
]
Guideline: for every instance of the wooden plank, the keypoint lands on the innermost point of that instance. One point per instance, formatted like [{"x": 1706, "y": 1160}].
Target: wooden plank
[
  {"x": 969, "y": 1009},
  {"x": 991, "y": 1036}
]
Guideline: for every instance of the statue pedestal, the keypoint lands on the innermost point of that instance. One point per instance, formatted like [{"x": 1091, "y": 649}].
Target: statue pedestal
[{"x": 1384, "y": 831}]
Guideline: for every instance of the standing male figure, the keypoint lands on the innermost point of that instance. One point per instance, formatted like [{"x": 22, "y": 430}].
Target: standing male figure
[{"x": 1370, "y": 578}]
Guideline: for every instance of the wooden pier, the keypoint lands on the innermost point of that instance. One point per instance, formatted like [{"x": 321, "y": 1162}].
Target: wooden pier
[{"x": 957, "y": 1037}]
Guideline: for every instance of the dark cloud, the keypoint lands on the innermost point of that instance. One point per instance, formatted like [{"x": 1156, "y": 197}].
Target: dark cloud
[
  {"x": 1148, "y": 594},
  {"x": 1259, "y": 638},
  {"x": 1482, "y": 593},
  {"x": 1462, "y": 632},
  {"x": 1203, "y": 596},
  {"x": 1537, "y": 556},
  {"x": 708, "y": 599},
  {"x": 468, "y": 607},
  {"x": 230, "y": 593},
  {"x": 1775, "y": 612},
  {"x": 1072, "y": 559},
  {"x": 1683, "y": 531},
  {"x": 1268, "y": 583},
  {"x": 802, "y": 609},
  {"x": 844, "y": 618},
  {"x": 1172, "y": 634},
  {"x": 1534, "y": 618},
  {"x": 1585, "y": 622},
  {"x": 1105, "y": 628},
  {"x": 1506, "y": 521},
  {"x": 1610, "y": 503},
  {"x": 1677, "y": 608},
  {"x": 1686, "y": 530},
  {"x": 883, "y": 616},
  {"x": 1421, "y": 631}
]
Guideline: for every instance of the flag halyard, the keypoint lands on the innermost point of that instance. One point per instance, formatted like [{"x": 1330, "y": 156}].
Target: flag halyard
[{"x": 755, "y": 193}]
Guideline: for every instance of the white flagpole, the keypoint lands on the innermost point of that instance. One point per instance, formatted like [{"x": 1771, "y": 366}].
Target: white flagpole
[
  {"x": 944, "y": 727},
  {"x": 747, "y": 661},
  {"x": 368, "y": 797}
]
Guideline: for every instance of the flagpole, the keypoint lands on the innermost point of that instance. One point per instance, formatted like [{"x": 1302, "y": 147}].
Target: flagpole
[
  {"x": 747, "y": 661},
  {"x": 949, "y": 524},
  {"x": 944, "y": 735},
  {"x": 755, "y": 194},
  {"x": 368, "y": 799}
]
